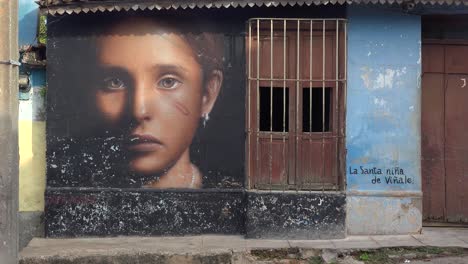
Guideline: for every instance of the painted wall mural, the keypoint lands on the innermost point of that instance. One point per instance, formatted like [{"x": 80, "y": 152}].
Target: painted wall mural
[
  {"x": 146, "y": 129},
  {"x": 143, "y": 102}
]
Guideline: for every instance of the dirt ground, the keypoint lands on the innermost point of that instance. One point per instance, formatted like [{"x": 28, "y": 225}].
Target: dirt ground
[{"x": 396, "y": 255}]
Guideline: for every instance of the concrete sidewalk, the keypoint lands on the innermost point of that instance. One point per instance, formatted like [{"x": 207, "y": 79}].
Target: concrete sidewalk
[{"x": 214, "y": 248}]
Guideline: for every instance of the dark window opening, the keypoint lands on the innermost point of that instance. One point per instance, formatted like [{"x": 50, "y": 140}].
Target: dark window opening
[
  {"x": 278, "y": 120},
  {"x": 312, "y": 116}
]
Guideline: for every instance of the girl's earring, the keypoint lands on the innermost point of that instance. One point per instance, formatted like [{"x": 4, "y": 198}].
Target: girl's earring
[{"x": 206, "y": 117}]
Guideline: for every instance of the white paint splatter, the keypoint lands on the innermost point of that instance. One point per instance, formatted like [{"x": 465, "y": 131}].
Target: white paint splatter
[
  {"x": 320, "y": 202},
  {"x": 385, "y": 80},
  {"x": 380, "y": 102},
  {"x": 400, "y": 72},
  {"x": 366, "y": 76},
  {"x": 419, "y": 59}
]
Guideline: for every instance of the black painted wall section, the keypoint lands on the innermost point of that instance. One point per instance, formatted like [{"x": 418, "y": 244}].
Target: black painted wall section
[
  {"x": 71, "y": 213},
  {"x": 297, "y": 215},
  {"x": 86, "y": 196}
]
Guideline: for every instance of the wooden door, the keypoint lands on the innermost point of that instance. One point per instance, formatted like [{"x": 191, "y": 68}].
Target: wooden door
[
  {"x": 272, "y": 97},
  {"x": 296, "y": 106},
  {"x": 445, "y": 132},
  {"x": 316, "y": 120}
]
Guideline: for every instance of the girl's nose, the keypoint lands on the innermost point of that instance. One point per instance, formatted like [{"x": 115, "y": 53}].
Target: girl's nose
[{"x": 141, "y": 102}]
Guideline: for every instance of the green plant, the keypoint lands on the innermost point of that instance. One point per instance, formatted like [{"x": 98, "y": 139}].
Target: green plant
[
  {"x": 316, "y": 260},
  {"x": 43, "y": 92},
  {"x": 364, "y": 256},
  {"x": 42, "y": 31}
]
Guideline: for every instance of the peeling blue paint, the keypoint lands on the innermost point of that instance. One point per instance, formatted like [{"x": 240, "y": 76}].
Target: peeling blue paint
[{"x": 383, "y": 101}]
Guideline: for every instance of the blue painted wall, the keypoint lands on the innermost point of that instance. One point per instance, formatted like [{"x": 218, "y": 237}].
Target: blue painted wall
[
  {"x": 383, "y": 101},
  {"x": 38, "y": 77},
  {"x": 28, "y": 12}
]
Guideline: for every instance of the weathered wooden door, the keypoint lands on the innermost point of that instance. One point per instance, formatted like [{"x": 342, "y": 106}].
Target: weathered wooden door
[
  {"x": 296, "y": 103},
  {"x": 444, "y": 131}
]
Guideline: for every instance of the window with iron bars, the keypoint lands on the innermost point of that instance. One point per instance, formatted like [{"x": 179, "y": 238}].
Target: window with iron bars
[{"x": 296, "y": 94}]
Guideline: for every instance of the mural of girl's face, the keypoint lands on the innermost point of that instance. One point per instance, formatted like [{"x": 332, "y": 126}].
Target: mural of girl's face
[{"x": 150, "y": 84}]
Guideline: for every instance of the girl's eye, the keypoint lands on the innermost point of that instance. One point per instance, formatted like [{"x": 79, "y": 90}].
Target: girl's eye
[
  {"x": 113, "y": 83},
  {"x": 169, "y": 83}
]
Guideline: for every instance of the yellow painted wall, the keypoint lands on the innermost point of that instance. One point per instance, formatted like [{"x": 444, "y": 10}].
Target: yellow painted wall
[{"x": 32, "y": 170}]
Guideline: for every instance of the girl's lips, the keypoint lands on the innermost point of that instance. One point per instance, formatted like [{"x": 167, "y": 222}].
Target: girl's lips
[{"x": 143, "y": 143}]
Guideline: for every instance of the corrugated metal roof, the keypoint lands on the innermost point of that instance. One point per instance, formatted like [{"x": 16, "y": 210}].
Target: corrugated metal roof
[{"x": 78, "y": 6}]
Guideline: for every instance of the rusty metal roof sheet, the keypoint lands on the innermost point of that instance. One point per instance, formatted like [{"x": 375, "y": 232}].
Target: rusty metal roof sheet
[{"x": 78, "y": 6}]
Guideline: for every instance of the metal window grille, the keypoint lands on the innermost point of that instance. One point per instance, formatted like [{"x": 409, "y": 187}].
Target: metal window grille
[{"x": 296, "y": 92}]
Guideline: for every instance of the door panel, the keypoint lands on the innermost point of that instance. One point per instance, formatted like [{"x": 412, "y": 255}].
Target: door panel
[
  {"x": 271, "y": 142},
  {"x": 456, "y": 59},
  {"x": 274, "y": 168},
  {"x": 456, "y": 147},
  {"x": 432, "y": 143},
  {"x": 432, "y": 57},
  {"x": 318, "y": 56},
  {"x": 316, "y": 166},
  {"x": 444, "y": 132}
]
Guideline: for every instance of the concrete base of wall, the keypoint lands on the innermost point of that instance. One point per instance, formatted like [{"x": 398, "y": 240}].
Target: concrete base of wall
[
  {"x": 384, "y": 214},
  {"x": 30, "y": 225},
  {"x": 74, "y": 213},
  {"x": 279, "y": 215},
  {"x": 295, "y": 215}
]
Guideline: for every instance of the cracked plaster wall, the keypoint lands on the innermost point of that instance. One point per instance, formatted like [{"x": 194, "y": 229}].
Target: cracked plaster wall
[{"x": 383, "y": 122}]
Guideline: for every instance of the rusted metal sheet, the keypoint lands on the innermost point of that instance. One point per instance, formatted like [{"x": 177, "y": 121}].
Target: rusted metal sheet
[{"x": 77, "y": 6}]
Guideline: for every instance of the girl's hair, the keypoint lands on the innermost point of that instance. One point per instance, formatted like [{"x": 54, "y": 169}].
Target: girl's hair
[
  {"x": 208, "y": 49},
  {"x": 206, "y": 43}
]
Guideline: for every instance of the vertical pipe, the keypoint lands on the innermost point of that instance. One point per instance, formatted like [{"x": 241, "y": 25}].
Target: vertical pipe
[
  {"x": 286, "y": 159},
  {"x": 311, "y": 63},
  {"x": 335, "y": 116},
  {"x": 284, "y": 76},
  {"x": 249, "y": 103},
  {"x": 258, "y": 100},
  {"x": 271, "y": 100},
  {"x": 323, "y": 102},
  {"x": 298, "y": 69},
  {"x": 311, "y": 73},
  {"x": 345, "y": 86},
  {"x": 9, "y": 132}
]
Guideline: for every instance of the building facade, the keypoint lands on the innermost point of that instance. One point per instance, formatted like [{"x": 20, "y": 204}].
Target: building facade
[
  {"x": 31, "y": 123},
  {"x": 297, "y": 120}
]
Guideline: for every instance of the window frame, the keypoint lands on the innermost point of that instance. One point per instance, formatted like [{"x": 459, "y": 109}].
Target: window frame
[{"x": 337, "y": 112}]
